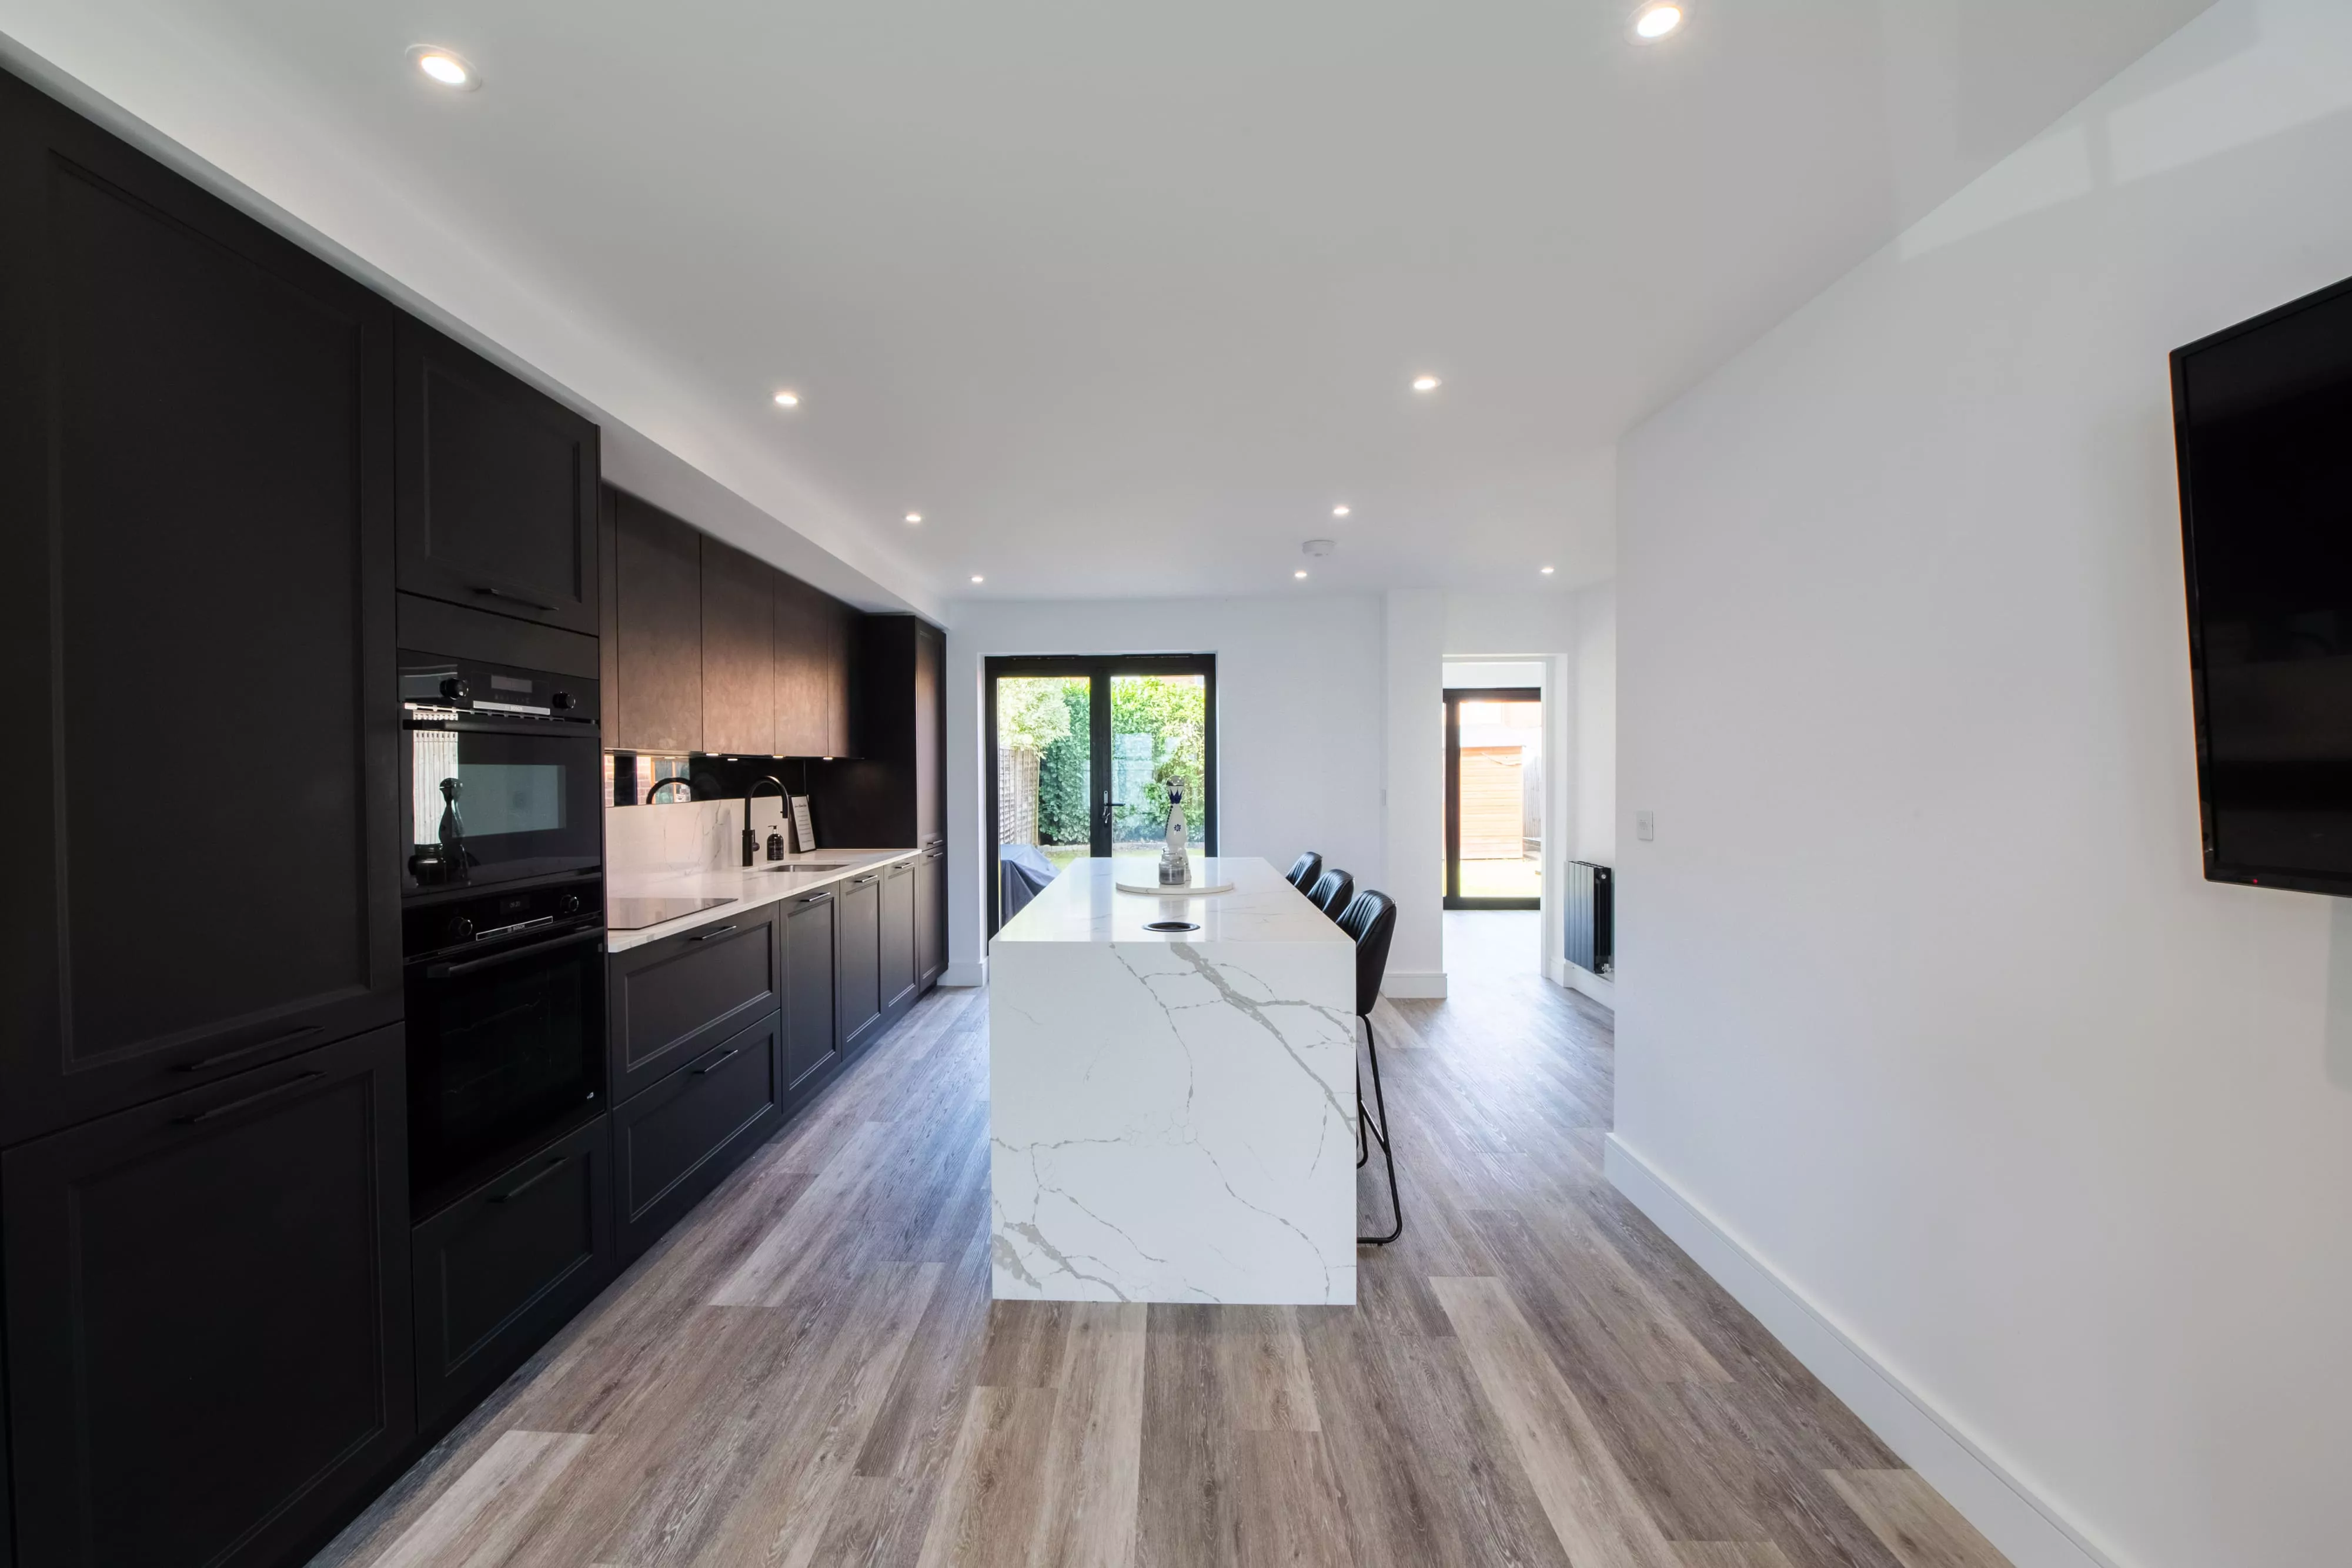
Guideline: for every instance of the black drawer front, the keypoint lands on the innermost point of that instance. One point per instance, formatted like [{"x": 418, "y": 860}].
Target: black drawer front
[
  {"x": 673, "y": 1142},
  {"x": 673, "y": 1000},
  {"x": 505, "y": 1266}
]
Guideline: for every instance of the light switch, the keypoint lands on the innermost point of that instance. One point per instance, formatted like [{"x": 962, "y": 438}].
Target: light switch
[{"x": 1645, "y": 825}]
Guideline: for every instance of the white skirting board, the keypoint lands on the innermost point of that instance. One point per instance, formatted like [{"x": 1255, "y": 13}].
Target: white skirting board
[
  {"x": 2029, "y": 1529},
  {"x": 1427, "y": 985},
  {"x": 1600, "y": 988},
  {"x": 961, "y": 976}
]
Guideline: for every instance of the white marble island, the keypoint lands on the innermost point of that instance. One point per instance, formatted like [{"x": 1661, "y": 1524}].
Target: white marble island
[{"x": 1172, "y": 1115}]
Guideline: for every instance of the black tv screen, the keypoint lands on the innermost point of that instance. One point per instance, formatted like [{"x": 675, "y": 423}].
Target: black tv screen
[{"x": 2262, "y": 417}]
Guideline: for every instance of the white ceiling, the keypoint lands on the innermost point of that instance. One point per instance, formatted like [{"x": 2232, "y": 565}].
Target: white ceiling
[{"x": 1121, "y": 298}]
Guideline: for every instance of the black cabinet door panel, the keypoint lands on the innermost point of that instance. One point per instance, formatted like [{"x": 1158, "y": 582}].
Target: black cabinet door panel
[
  {"x": 207, "y": 1314},
  {"x": 811, "y": 1044},
  {"x": 857, "y": 987},
  {"x": 498, "y": 488},
  {"x": 930, "y": 917},
  {"x": 673, "y": 997},
  {"x": 897, "y": 935},
  {"x": 507, "y": 1265},
  {"x": 674, "y": 1143},
  {"x": 195, "y": 459},
  {"x": 655, "y": 703}
]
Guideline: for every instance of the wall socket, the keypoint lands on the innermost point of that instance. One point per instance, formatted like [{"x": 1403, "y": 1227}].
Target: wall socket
[{"x": 1645, "y": 825}]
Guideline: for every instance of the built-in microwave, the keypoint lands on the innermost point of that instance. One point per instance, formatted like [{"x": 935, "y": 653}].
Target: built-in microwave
[{"x": 502, "y": 775}]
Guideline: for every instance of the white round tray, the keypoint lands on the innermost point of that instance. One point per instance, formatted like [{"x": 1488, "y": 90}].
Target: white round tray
[{"x": 1190, "y": 890}]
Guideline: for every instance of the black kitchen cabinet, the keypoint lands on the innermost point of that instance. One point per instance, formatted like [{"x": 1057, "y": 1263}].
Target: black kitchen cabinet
[
  {"x": 930, "y": 917},
  {"x": 857, "y": 966},
  {"x": 810, "y": 639},
  {"x": 507, "y": 1265},
  {"x": 811, "y": 1043},
  {"x": 208, "y": 1349},
  {"x": 498, "y": 487},
  {"x": 197, "y": 461},
  {"x": 675, "y": 1141},
  {"x": 893, "y": 796},
  {"x": 897, "y": 938},
  {"x": 671, "y": 999},
  {"x": 654, "y": 701}
]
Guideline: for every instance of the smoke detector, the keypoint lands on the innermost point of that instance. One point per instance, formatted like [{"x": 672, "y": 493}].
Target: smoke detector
[{"x": 1319, "y": 547}]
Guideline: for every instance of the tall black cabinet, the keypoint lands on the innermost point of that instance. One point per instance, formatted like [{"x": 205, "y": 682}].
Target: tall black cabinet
[{"x": 196, "y": 467}]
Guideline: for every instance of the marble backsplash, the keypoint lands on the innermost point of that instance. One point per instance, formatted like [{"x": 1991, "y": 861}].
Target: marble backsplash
[{"x": 685, "y": 835}]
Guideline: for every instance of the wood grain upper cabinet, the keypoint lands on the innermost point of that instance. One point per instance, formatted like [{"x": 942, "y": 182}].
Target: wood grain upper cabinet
[
  {"x": 930, "y": 734},
  {"x": 196, "y": 620},
  {"x": 656, "y": 700},
  {"x": 739, "y": 662},
  {"x": 814, "y": 636},
  {"x": 208, "y": 1315},
  {"x": 498, "y": 487}
]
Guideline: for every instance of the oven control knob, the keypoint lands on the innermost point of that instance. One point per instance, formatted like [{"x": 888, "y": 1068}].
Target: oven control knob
[
  {"x": 454, "y": 689},
  {"x": 461, "y": 930},
  {"x": 561, "y": 701},
  {"x": 571, "y": 903}
]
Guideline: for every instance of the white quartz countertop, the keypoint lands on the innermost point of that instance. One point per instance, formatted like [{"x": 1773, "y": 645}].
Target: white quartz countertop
[
  {"x": 749, "y": 886},
  {"x": 1082, "y": 904}
]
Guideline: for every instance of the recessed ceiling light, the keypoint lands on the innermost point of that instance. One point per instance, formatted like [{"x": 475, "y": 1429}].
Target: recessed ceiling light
[
  {"x": 1547, "y": 572},
  {"x": 1301, "y": 572},
  {"x": 1339, "y": 511},
  {"x": 914, "y": 517},
  {"x": 976, "y": 577},
  {"x": 1425, "y": 383},
  {"x": 788, "y": 399},
  {"x": 446, "y": 67},
  {"x": 1655, "y": 22}
]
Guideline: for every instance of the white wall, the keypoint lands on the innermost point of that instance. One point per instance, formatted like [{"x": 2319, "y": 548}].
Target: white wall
[
  {"x": 1923, "y": 1002},
  {"x": 1301, "y": 724},
  {"x": 1594, "y": 835}
]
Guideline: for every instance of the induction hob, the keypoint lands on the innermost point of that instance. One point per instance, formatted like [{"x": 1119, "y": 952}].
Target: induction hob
[{"x": 636, "y": 914}]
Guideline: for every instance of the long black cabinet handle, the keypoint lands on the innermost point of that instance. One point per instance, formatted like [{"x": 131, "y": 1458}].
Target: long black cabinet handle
[
  {"x": 714, "y": 936},
  {"x": 816, "y": 898},
  {"x": 717, "y": 1062},
  {"x": 530, "y": 1181},
  {"x": 862, "y": 880},
  {"x": 514, "y": 599},
  {"x": 449, "y": 971},
  {"x": 271, "y": 1093},
  {"x": 242, "y": 1051}
]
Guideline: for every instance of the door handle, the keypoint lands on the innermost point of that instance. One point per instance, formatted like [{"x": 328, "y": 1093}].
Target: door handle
[
  {"x": 529, "y": 1182},
  {"x": 717, "y": 1062},
  {"x": 202, "y": 1064},
  {"x": 816, "y": 898},
  {"x": 514, "y": 599},
  {"x": 270, "y": 1094},
  {"x": 713, "y": 935}
]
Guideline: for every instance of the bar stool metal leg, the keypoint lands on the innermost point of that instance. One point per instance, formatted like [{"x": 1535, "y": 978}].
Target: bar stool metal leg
[{"x": 1380, "y": 1131}]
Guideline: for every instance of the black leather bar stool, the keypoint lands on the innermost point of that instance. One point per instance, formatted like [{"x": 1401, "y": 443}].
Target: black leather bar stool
[
  {"x": 1331, "y": 892},
  {"x": 1305, "y": 870},
  {"x": 1370, "y": 919}
]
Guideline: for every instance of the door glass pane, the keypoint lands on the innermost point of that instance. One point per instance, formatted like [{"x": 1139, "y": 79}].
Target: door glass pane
[
  {"x": 1500, "y": 787},
  {"x": 1045, "y": 781},
  {"x": 1158, "y": 735}
]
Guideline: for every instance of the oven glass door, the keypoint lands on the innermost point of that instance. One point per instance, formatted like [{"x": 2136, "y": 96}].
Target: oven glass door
[
  {"x": 493, "y": 802},
  {"x": 505, "y": 1049}
]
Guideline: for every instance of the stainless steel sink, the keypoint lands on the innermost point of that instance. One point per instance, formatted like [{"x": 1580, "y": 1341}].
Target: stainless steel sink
[{"x": 811, "y": 865}]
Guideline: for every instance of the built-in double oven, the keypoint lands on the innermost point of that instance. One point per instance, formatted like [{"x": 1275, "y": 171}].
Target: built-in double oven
[{"x": 503, "y": 924}]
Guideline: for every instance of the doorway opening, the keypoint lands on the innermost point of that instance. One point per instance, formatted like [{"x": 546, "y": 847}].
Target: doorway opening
[
  {"x": 1494, "y": 797},
  {"x": 1081, "y": 751}
]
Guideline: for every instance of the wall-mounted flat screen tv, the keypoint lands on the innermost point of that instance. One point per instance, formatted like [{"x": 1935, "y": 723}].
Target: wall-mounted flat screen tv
[{"x": 2263, "y": 418}]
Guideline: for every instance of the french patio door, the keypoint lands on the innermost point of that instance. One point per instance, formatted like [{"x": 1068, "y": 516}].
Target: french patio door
[
  {"x": 1081, "y": 752},
  {"x": 1494, "y": 797}
]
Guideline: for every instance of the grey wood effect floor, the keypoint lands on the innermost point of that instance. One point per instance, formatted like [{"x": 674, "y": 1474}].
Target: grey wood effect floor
[{"x": 809, "y": 1370}]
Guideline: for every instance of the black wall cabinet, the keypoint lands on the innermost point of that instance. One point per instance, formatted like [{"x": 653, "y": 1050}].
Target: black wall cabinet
[
  {"x": 898, "y": 975},
  {"x": 811, "y": 1044},
  {"x": 196, "y": 467},
  {"x": 653, "y": 694},
  {"x": 498, "y": 488},
  {"x": 208, "y": 1315},
  {"x": 893, "y": 797},
  {"x": 857, "y": 970},
  {"x": 505, "y": 1266}
]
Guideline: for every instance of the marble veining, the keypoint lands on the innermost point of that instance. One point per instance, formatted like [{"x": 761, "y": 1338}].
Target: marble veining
[{"x": 1171, "y": 1117}]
